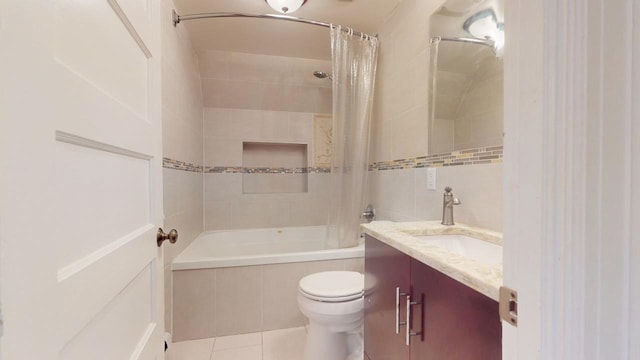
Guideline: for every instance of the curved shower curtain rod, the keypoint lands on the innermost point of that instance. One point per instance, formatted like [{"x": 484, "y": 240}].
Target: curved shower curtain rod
[
  {"x": 179, "y": 18},
  {"x": 486, "y": 43}
]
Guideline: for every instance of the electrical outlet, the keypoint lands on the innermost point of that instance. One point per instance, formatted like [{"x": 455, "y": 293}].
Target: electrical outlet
[{"x": 431, "y": 179}]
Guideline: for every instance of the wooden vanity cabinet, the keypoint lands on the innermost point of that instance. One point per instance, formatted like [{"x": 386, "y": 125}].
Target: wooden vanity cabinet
[
  {"x": 386, "y": 269},
  {"x": 455, "y": 321}
]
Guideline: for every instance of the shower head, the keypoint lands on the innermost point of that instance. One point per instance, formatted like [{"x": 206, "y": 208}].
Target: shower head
[{"x": 322, "y": 75}]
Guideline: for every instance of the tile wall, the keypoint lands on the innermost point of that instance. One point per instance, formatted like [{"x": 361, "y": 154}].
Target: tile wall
[
  {"x": 272, "y": 100},
  {"x": 182, "y": 142},
  {"x": 209, "y": 302},
  {"x": 400, "y": 131}
]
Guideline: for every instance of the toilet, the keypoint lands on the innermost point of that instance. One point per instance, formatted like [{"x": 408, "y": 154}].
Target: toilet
[{"x": 334, "y": 304}]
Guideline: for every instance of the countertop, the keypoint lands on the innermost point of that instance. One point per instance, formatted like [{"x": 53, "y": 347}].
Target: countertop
[{"x": 482, "y": 277}]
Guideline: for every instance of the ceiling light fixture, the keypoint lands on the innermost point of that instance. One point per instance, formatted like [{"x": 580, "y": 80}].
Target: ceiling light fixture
[
  {"x": 286, "y": 6},
  {"x": 484, "y": 25}
]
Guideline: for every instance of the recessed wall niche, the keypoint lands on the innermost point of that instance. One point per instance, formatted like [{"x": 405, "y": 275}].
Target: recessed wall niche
[{"x": 272, "y": 168}]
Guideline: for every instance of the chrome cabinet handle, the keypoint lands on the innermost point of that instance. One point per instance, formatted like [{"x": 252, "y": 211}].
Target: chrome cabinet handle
[
  {"x": 398, "y": 323},
  {"x": 161, "y": 236},
  {"x": 408, "y": 333}
]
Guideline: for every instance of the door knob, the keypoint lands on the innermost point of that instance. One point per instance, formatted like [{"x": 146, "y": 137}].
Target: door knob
[{"x": 172, "y": 236}]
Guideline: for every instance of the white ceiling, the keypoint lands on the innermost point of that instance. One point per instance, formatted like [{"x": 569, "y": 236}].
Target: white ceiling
[{"x": 272, "y": 37}]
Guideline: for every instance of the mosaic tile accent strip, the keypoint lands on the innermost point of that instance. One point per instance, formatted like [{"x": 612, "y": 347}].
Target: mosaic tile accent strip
[
  {"x": 180, "y": 165},
  {"x": 484, "y": 155},
  {"x": 185, "y": 166},
  {"x": 264, "y": 170}
]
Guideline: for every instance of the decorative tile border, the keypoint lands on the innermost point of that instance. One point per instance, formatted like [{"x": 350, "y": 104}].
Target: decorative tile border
[
  {"x": 185, "y": 166},
  {"x": 180, "y": 165},
  {"x": 484, "y": 155},
  {"x": 264, "y": 170}
]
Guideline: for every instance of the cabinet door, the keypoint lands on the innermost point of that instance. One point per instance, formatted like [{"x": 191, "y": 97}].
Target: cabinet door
[
  {"x": 385, "y": 270},
  {"x": 458, "y": 322}
]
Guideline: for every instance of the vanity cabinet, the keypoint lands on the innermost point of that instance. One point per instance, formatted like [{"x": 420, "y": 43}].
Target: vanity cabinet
[{"x": 447, "y": 319}]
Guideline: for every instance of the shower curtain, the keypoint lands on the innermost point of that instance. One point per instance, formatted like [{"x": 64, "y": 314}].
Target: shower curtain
[{"x": 354, "y": 60}]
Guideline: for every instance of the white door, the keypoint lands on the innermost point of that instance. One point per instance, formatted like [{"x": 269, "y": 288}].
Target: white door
[
  {"x": 81, "y": 180},
  {"x": 572, "y": 178}
]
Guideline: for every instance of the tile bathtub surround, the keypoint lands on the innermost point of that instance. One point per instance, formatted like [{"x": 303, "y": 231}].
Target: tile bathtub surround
[
  {"x": 229, "y": 301},
  {"x": 261, "y": 82},
  {"x": 227, "y": 206},
  {"x": 182, "y": 122}
]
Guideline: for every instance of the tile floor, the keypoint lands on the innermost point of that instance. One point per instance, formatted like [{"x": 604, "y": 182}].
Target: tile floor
[{"x": 285, "y": 344}]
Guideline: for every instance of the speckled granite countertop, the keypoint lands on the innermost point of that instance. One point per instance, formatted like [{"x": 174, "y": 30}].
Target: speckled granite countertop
[{"x": 482, "y": 277}]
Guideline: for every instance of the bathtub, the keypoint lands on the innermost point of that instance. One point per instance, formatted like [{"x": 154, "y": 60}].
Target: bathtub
[
  {"x": 231, "y": 248},
  {"x": 244, "y": 281}
]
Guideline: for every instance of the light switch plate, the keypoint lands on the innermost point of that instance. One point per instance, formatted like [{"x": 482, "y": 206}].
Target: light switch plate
[{"x": 431, "y": 179}]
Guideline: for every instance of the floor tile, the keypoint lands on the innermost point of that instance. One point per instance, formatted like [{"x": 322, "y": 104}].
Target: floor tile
[
  {"x": 192, "y": 350},
  {"x": 285, "y": 344},
  {"x": 244, "y": 353},
  {"x": 237, "y": 341}
]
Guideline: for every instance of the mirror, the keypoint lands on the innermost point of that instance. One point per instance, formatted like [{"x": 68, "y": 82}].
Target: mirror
[{"x": 466, "y": 75}]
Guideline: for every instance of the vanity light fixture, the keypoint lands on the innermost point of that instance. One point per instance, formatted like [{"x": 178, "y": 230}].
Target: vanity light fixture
[{"x": 286, "y": 6}]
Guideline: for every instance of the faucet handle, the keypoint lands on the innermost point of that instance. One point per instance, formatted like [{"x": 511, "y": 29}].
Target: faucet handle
[
  {"x": 456, "y": 201},
  {"x": 447, "y": 189}
]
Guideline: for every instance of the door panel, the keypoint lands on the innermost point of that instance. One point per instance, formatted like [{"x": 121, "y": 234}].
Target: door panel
[
  {"x": 102, "y": 52},
  {"x": 81, "y": 184},
  {"x": 90, "y": 184},
  {"x": 130, "y": 312}
]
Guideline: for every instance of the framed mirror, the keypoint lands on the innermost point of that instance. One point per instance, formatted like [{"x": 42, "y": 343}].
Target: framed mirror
[{"x": 466, "y": 75}]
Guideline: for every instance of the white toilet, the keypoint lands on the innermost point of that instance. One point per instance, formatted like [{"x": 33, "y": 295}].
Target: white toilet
[{"x": 333, "y": 302}]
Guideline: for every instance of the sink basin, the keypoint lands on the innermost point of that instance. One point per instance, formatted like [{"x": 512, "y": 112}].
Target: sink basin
[{"x": 466, "y": 246}]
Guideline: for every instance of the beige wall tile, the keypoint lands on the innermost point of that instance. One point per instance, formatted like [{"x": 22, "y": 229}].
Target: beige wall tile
[
  {"x": 219, "y": 152},
  {"x": 214, "y": 64},
  {"x": 218, "y": 216},
  {"x": 216, "y": 123},
  {"x": 238, "y": 299},
  {"x": 280, "y": 302},
  {"x": 183, "y": 208},
  {"x": 222, "y": 186},
  {"x": 245, "y": 124},
  {"x": 194, "y": 306},
  {"x": 479, "y": 187},
  {"x": 248, "y": 213},
  {"x": 311, "y": 211},
  {"x": 300, "y": 127},
  {"x": 262, "y": 82},
  {"x": 356, "y": 264},
  {"x": 274, "y": 183},
  {"x": 410, "y": 134},
  {"x": 275, "y": 125}
]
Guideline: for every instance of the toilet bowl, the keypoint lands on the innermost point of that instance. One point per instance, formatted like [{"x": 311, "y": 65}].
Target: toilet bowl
[{"x": 333, "y": 302}]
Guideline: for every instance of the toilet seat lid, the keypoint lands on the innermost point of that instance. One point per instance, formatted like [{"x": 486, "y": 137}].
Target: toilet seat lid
[{"x": 333, "y": 285}]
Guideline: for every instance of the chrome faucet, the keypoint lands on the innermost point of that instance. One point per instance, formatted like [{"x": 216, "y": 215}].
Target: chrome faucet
[
  {"x": 447, "y": 206},
  {"x": 369, "y": 213}
]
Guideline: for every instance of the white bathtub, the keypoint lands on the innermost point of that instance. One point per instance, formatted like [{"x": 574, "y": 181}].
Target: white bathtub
[{"x": 231, "y": 248}]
